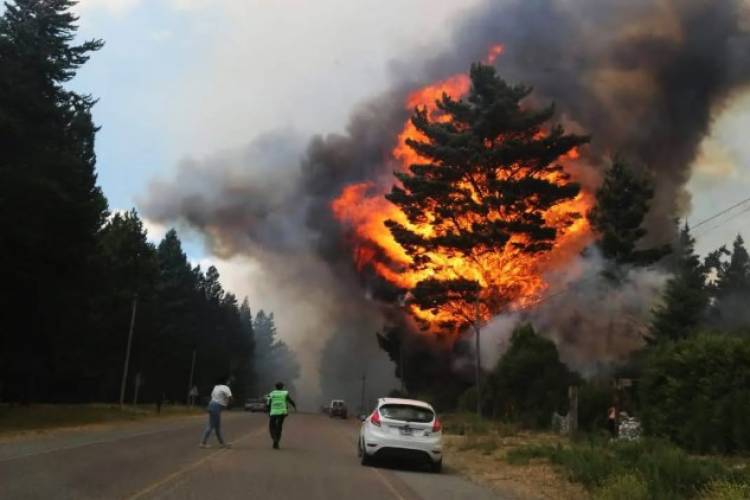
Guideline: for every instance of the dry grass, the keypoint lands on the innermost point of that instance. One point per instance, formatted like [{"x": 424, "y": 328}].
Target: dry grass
[
  {"x": 481, "y": 456},
  {"x": 18, "y": 419}
]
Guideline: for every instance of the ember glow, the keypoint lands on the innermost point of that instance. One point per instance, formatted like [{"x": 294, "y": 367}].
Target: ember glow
[{"x": 510, "y": 279}]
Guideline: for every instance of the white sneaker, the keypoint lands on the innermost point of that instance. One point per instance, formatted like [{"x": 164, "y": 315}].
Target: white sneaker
[
  {"x": 204, "y": 445},
  {"x": 226, "y": 445}
]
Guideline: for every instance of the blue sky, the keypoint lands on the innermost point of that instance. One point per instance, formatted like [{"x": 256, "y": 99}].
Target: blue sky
[{"x": 189, "y": 78}]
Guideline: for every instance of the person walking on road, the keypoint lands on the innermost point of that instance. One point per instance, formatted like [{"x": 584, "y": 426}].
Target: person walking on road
[
  {"x": 220, "y": 398},
  {"x": 278, "y": 408}
]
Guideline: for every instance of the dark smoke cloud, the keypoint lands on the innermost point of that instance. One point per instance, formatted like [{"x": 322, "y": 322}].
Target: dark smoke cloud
[{"x": 644, "y": 77}]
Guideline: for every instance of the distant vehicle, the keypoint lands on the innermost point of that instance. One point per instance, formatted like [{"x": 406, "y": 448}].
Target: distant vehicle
[
  {"x": 403, "y": 429},
  {"x": 254, "y": 405},
  {"x": 337, "y": 408}
]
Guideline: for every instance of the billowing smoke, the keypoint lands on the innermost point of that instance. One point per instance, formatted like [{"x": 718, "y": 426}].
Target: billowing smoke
[
  {"x": 593, "y": 322},
  {"x": 644, "y": 77}
]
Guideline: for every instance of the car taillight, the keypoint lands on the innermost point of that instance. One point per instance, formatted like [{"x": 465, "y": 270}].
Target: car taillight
[
  {"x": 437, "y": 426},
  {"x": 375, "y": 418}
]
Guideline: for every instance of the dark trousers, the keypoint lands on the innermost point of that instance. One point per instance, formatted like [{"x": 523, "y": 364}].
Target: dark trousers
[
  {"x": 275, "y": 426},
  {"x": 612, "y": 425}
]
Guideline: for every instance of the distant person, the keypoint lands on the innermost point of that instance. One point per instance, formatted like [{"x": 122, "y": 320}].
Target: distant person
[
  {"x": 612, "y": 421},
  {"x": 278, "y": 408},
  {"x": 220, "y": 398}
]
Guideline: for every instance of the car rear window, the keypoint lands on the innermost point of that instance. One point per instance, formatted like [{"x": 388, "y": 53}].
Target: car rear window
[{"x": 407, "y": 413}]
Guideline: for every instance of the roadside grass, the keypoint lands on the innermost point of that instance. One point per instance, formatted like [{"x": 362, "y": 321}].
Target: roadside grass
[
  {"x": 468, "y": 424},
  {"x": 649, "y": 469},
  {"x": 476, "y": 448},
  {"x": 40, "y": 417}
]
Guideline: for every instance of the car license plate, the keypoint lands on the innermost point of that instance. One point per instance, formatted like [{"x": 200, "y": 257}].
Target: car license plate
[{"x": 406, "y": 431}]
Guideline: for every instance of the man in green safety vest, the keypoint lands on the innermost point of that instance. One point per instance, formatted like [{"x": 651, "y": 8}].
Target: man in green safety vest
[{"x": 278, "y": 408}]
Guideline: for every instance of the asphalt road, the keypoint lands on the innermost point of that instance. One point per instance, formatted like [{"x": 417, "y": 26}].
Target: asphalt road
[{"x": 147, "y": 460}]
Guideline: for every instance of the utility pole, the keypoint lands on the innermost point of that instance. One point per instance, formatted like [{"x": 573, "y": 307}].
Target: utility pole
[
  {"x": 190, "y": 383},
  {"x": 127, "y": 352},
  {"x": 477, "y": 358},
  {"x": 402, "y": 364}
]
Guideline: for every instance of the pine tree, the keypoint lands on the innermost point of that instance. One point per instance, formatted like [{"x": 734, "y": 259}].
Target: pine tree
[
  {"x": 274, "y": 360},
  {"x": 212, "y": 286},
  {"x": 732, "y": 287},
  {"x": 686, "y": 297},
  {"x": 622, "y": 202},
  {"x": 50, "y": 205},
  {"x": 127, "y": 265},
  {"x": 490, "y": 173}
]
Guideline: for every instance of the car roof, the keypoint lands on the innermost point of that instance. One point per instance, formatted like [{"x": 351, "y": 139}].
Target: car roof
[
  {"x": 337, "y": 401},
  {"x": 401, "y": 401}
]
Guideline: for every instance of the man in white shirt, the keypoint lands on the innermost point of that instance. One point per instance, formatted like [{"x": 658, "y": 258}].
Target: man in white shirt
[{"x": 220, "y": 398}]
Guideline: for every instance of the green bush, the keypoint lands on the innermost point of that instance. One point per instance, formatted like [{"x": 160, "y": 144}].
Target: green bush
[
  {"x": 726, "y": 490},
  {"x": 594, "y": 399},
  {"x": 465, "y": 424},
  {"x": 468, "y": 400},
  {"x": 623, "y": 487},
  {"x": 668, "y": 472},
  {"x": 696, "y": 392},
  {"x": 529, "y": 382}
]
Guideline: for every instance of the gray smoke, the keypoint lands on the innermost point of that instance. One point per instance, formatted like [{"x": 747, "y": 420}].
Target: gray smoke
[
  {"x": 594, "y": 323},
  {"x": 644, "y": 77}
]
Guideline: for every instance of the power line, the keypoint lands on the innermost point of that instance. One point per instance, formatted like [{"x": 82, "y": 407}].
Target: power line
[
  {"x": 719, "y": 214},
  {"x": 746, "y": 210}
]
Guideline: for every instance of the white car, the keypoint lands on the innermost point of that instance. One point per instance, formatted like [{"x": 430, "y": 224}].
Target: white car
[{"x": 402, "y": 428}]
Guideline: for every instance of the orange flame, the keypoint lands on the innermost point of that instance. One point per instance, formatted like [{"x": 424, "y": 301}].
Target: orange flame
[
  {"x": 510, "y": 279},
  {"x": 494, "y": 52}
]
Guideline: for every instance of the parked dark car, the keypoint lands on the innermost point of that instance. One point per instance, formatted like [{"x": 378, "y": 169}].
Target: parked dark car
[
  {"x": 337, "y": 409},
  {"x": 256, "y": 405}
]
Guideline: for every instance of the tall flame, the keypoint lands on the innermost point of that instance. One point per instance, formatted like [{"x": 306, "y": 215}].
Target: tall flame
[{"x": 517, "y": 279}]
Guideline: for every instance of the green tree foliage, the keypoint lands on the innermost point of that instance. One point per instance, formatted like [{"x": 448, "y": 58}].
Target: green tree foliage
[
  {"x": 127, "y": 266},
  {"x": 426, "y": 371},
  {"x": 50, "y": 205},
  {"x": 594, "y": 399},
  {"x": 274, "y": 361},
  {"x": 622, "y": 202},
  {"x": 529, "y": 382},
  {"x": 71, "y": 273},
  {"x": 490, "y": 174},
  {"x": 731, "y": 290},
  {"x": 696, "y": 392},
  {"x": 686, "y": 297}
]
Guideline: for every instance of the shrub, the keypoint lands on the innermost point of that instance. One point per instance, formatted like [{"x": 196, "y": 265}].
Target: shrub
[
  {"x": 468, "y": 400},
  {"x": 594, "y": 399},
  {"x": 696, "y": 392},
  {"x": 667, "y": 471},
  {"x": 465, "y": 424},
  {"x": 725, "y": 490},
  {"x": 623, "y": 487},
  {"x": 529, "y": 382}
]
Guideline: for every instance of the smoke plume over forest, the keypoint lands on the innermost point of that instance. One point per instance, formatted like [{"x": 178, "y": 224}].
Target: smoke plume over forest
[{"x": 645, "y": 78}]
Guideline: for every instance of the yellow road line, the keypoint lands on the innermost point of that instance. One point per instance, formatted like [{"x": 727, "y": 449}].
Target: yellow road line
[{"x": 158, "y": 484}]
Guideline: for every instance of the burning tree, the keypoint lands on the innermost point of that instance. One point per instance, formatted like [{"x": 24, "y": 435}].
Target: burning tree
[{"x": 483, "y": 198}]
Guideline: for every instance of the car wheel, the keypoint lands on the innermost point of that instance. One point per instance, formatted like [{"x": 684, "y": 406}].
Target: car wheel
[
  {"x": 364, "y": 458},
  {"x": 437, "y": 467}
]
